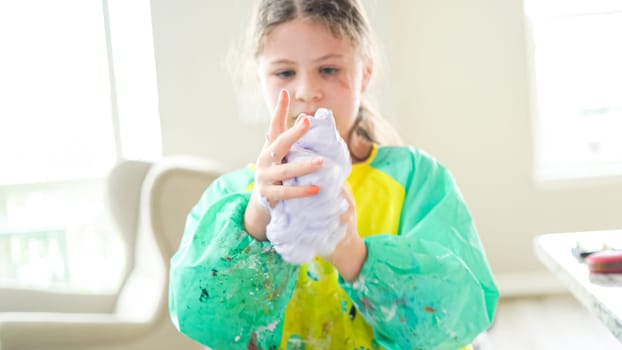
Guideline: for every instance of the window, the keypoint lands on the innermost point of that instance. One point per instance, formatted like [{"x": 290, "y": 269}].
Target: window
[
  {"x": 578, "y": 87},
  {"x": 76, "y": 97}
]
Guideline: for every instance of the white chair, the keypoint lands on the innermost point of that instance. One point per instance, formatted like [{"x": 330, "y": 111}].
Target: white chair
[{"x": 150, "y": 204}]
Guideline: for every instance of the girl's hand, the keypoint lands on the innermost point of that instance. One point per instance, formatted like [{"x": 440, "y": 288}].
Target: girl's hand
[
  {"x": 351, "y": 253},
  {"x": 270, "y": 171}
]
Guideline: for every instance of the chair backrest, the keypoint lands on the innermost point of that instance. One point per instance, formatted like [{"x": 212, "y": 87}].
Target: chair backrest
[
  {"x": 170, "y": 189},
  {"x": 181, "y": 181},
  {"x": 124, "y": 187}
]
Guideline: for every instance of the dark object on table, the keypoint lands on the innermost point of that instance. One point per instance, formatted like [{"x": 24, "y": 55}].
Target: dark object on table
[{"x": 582, "y": 250}]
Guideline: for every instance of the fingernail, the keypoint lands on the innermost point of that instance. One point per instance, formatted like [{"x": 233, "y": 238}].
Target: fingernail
[
  {"x": 317, "y": 161},
  {"x": 313, "y": 190},
  {"x": 279, "y": 99},
  {"x": 300, "y": 122},
  {"x": 305, "y": 122}
]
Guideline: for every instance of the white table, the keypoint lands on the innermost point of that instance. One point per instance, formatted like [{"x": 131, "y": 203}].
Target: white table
[{"x": 599, "y": 293}]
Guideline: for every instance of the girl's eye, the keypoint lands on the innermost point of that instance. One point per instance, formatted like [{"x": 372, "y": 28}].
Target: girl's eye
[
  {"x": 329, "y": 70},
  {"x": 285, "y": 74}
]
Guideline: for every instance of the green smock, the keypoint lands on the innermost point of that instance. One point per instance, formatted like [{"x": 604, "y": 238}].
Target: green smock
[{"x": 426, "y": 283}]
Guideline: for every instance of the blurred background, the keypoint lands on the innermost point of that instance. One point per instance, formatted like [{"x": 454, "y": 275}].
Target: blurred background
[{"x": 521, "y": 100}]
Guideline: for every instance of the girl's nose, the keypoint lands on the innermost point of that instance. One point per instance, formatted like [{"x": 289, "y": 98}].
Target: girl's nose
[{"x": 308, "y": 89}]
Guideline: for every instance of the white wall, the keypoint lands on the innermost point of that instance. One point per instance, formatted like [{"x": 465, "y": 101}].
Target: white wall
[
  {"x": 455, "y": 82},
  {"x": 197, "y": 105}
]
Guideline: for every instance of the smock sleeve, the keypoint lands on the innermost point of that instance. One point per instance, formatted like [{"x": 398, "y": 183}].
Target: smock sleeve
[
  {"x": 228, "y": 290},
  {"x": 430, "y": 287}
]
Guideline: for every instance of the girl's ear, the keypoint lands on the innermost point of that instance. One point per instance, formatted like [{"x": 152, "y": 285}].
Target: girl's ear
[{"x": 368, "y": 70}]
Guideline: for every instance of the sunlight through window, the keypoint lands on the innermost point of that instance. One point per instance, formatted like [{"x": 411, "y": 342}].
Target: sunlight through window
[
  {"x": 71, "y": 107},
  {"x": 578, "y": 88}
]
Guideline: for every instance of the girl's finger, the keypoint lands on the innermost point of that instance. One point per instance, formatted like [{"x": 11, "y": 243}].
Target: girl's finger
[
  {"x": 281, "y": 145},
  {"x": 278, "y": 125},
  {"x": 278, "y": 173},
  {"x": 278, "y": 192}
]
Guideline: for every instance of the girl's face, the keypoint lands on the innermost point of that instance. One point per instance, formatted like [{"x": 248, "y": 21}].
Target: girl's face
[{"x": 318, "y": 70}]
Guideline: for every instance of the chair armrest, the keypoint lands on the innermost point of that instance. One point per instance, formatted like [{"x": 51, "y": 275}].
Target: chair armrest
[{"x": 25, "y": 331}]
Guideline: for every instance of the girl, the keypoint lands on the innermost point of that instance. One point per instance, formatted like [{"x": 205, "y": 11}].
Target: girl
[{"x": 409, "y": 274}]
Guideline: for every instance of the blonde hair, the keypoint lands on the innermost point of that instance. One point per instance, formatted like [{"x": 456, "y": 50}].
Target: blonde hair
[{"x": 344, "y": 18}]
